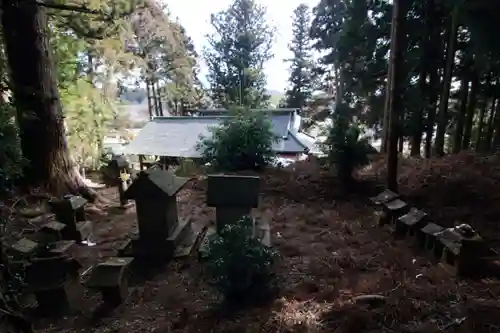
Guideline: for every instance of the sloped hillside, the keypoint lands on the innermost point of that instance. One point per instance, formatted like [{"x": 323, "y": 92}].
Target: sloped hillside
[{"x": 461, "y": 188}]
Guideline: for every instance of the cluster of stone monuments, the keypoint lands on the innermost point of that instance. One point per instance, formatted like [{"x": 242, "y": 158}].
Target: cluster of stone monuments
[
  {"x": 460, "y": 250},
  {"x": 51, "y": 270}
]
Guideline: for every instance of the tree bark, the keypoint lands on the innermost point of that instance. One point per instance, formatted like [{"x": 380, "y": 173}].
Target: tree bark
[
  {"x": 396, "y": 105},
  {"x": 435, "y": 52},
  {"x": 459, "y": 129},
  {"x": 448, "y": 73},
  {"x": 387, "y": 102},
  {"x": 490, "y": 124},
  {"x": 471, "y": 109},
  {"x": 149, "y": 97},
  {"x": 36, "y": 96}
]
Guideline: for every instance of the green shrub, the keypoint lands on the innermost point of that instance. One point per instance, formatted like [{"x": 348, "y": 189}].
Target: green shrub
[
  {"x": 346, "y": 150},
  {"x": 240, "y": 265},
  {"x": 242, "y": 142}
]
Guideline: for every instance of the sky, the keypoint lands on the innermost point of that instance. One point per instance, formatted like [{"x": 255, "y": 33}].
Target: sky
[{"x": 194, "y": 15}]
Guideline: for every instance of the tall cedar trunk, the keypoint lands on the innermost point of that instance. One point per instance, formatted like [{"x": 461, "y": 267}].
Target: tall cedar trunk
[
  {"x": 491, "y": 120},
  {"x": 39, "y": 111},
  {"x": 459, "y": 129},
  {"x": 149, "y": 97},
  {"x": 496, "y": 137},
  {"x": 471, "y": 109},
  {"x": 397, "y": 89},
  {"x": 482, "y": 114},
  {"x": 435, "y": 52},
  {"x": 160, "y": 102},
  {"x": 480, "y": 126},
  {"x": 448, "y": 74},
  {"x": 417, "y": 121},
  {"x": 387, "y": 102}
]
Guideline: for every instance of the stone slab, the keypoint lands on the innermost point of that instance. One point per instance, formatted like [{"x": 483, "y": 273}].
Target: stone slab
[
  {"x": 24, "y": 248},
  {"x": 410, "y": 222},
  {"x": 186, "y": 247},
  {"x": 426, "y": 237},
  {"x": 203, "y": 250},
  {"x": 384, "y": 197},
  {"x": 52, "y": 231},
  {"x": 233, "y": 190}
]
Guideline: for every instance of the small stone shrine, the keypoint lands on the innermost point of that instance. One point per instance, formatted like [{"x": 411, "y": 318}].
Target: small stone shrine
[
  {"x": 118, "y": 167},
  {"x": 70, "y": 212},
  {"x": 160, "y": 230}
]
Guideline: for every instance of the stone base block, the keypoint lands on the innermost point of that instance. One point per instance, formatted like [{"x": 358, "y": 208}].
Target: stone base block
[{"x": 62, "y": 300}]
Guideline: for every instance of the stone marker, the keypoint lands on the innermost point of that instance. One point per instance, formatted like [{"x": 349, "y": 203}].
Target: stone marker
[
  {"x": 395, "y": 209},
  {"x": 426, "y": 237},
  {"x": 160, "y": 230},
  {"x": 55, "y": 284},
  {"x": 384, "y": 197},
  {"x": 70, "y": 211},
  {"x": 111, "y": 279},
  {"x": 232, "y": 196},
  {"x": 410, "y": 223}
]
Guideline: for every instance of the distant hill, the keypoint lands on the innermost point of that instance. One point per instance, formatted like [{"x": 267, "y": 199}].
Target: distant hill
[
  {"x": 276, "y": 97},
  {"x": 138, "y": 96}
]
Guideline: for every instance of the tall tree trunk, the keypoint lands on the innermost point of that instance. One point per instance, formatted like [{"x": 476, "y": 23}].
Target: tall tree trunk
[
  {"x": 435, "y": 52},
  {"x": 417, "y": 117},
  {"x": 491, "y": 122},
  {"x": 459, "y": 129},
  {"x": 480, "y": 126},
  {"x": 159, "y": 99},
  {"x": 149, "y": 94},
  {"x": 448, "y": 73},
  {"x": 397, "y": 89},
  {"x": 496, "y": 137},
  {"x": 471, "y": 109},
  {"x": 387, "y": 102},
  {"x": 39, "y": 111}
]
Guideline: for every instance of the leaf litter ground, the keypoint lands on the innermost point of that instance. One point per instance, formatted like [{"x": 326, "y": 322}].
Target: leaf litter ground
[{"x": 331, "y": 253}]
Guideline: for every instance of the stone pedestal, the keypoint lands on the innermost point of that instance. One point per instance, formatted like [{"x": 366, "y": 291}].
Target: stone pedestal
[
  {"x": 410, "y": 223},
  {"x": 395, "y": 209},
  {"x": 111, "y": 279},
  {"x": 55, "y": 283}
]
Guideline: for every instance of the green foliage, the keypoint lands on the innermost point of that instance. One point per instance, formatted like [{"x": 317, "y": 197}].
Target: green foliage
[
  {"x": 345, "y": 148},
  {"x": 240, "y": 265},
  {"x": 241, "y": 142},
  {"x": 238, "y": 50},
  {"x": 88, "y": 119},
  {"x": 301, "y": 65}
]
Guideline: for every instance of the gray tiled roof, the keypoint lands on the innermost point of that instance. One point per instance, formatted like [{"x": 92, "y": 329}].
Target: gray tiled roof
[{"x": 178, "y": 136}]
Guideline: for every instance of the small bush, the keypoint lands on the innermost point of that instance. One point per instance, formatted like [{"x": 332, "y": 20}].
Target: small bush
[
  {"x": 346, "y": 150},
  {"x": 242, "y": 142},
  {"x": 241, "y": 266}
]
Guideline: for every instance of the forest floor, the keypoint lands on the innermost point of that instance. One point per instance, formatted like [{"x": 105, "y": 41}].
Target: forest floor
[{"x": 331, "y": 252}]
